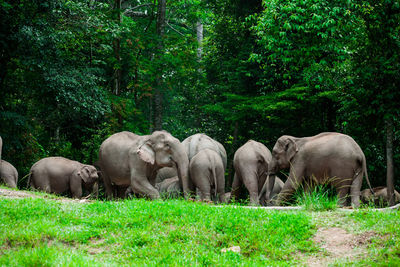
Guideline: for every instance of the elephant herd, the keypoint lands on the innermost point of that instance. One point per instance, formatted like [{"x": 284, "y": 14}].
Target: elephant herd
[{"x": 159, "y": 164}]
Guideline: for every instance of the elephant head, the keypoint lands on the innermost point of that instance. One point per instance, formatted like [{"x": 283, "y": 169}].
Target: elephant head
[
  {"x": 283, "y": 152},
  {"x": 88, "y": 174},
  {"x": 164, "y": 150}
]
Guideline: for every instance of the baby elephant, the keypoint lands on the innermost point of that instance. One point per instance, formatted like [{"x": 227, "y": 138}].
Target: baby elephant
[
  {"x": 380, "y": 197},
  {"x": 8, "y": 174},
  {"x": 169, "y": 187},
  {"x": 207, "y": 174},
  {"x": 59, "y": 175},
  {"x": 271, "y": 200}
]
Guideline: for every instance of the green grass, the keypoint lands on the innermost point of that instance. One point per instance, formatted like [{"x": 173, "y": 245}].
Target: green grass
[
  {"x": 140, "y": 232},
  {"x": 46, "y": 232},
  {"x": 318, "y": 198}
]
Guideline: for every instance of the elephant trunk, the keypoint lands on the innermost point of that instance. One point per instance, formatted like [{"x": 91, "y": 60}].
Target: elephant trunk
[
  {"x": 267, "y": 187},
  {"x": 181, "y": 160}
]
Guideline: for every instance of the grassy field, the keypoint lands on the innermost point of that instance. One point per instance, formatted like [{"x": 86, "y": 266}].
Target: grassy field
[{"x": 49, "y": 232}]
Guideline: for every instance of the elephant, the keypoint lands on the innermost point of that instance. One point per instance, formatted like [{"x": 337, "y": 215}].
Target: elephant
[
  {"x": 127, "y": 159},
  {"x": 251, "y": 162},
  {"x": 194, "y": 143},
  {"x": 380, "y": 196},
  {"x": 170, "y": 187},
  {"x": 198, "y": 142},
  {"x": 8, "y": 174},
  {"x": 208, "y": 175},
  {"x": 1, "y": 146},
  {"x": 328, "y": 157},
  {"x": 165, "y": 173},
  {"x": 269, "y": 197},
  {"x": 60, "y": 175}
]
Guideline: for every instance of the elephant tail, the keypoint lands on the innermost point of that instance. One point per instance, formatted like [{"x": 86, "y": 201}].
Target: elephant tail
[
  {"x": 214, "y": 174},
  {"x": 264, "y": 188},
  {"x": 364, "y": 169}
]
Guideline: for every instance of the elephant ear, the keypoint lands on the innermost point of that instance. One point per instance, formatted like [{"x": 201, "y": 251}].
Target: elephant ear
[
  {"x": 146, "y": 153},
  {"x": 291, "y": 149},
  {"x": 84, "y": 173}
]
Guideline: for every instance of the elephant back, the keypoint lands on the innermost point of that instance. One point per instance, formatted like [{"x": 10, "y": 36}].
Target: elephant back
[{"x": 197, "y": 142}]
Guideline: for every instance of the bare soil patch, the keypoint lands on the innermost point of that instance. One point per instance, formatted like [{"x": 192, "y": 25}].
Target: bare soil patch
[
  {"x": 338, "y": 244},
  {"x": 9, "y": 193}
]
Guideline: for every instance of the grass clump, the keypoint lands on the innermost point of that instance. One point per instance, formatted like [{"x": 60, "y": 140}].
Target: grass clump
[{"x": 316, "y": 198}]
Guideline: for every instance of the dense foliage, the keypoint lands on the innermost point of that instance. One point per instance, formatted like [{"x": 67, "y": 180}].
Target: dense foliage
[{"x": 75, "y": 71}]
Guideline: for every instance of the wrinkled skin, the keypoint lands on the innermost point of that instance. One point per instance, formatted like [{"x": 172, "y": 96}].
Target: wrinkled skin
[
  {"x": 8, "y": 174},
  {"x": 59, "y": 175},
  {"x": 130, "y": 160},
  {"x": 269, "y": 197},
  {"x": 251, "y": 162},
  {"x": 380, "y": 196},
  {"x": 325, "y": 158},
  {"x": 208, "y": 175},
  {"x": 170, "y": 187},
  {"x": 198, "y": 142}
]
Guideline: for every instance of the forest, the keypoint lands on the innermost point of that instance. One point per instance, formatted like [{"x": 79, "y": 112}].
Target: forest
[{"x": 73, "y": 72}]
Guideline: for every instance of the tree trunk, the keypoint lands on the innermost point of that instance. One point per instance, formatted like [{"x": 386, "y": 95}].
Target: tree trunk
[
  {"x": 117, "y": 48},
  {"x": 389, "y": 161},
  {"x": 199, "y": 33},
  {"x": 158, "y": 107}
]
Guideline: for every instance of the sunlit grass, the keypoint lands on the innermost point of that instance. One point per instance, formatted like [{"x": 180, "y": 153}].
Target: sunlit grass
[{"x": 140, "y": 232}]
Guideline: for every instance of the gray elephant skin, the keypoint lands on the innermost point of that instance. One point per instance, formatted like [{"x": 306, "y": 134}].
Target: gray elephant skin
[
  {"x": 8, "y": 174},
  {"x": 1, "y": 146},
  {"x": 269, "y": 196},
  {"x": 60, "y": 175},
  {"x": 208, "y": 175},
  {"x": 169, "y": 187},
  {"x": 380, "y": 196},
  {"x": 127, "y": 159},
  {"x": 208, "y": 162},
  {"x": 194, "y": 143},
  {"x": 251, "y": 163},
  {"x": 165, "y": 173},
  {"x": 329, "y": 157}
]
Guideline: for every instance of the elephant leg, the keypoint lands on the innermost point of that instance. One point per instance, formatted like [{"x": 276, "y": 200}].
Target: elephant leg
[
  {"x": 294, "y": 180},
  {"x": 355, "y": 190},
  {"x": 141, "y": 185},
  {"x": 76, "y": 188},
  {"x": 203, "y": 184},
  {"x": 220, "y": 186},
  {"x": 236, "y": 184},
  {"x": 108, "y": 186},
  {"x": 251, "y": 182}
]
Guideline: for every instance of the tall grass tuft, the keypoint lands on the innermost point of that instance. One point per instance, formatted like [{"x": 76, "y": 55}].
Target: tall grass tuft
[{"x": 316, "y": 198}]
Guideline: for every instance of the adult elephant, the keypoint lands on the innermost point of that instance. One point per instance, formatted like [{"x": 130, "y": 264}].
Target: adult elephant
[
  {"x": 251, "y": 163},
  {"x": 8, "y": 174},
  {"x": 198, "y": 142},
  {"x": 207, "y": 173},
  {"x": 380, "y": 196},
  {"x": 59, "y": 175},
  {"x": 127, "y": 159},
  {"x": 1, "y": 146},
  {"x": 329, "y": 157}
]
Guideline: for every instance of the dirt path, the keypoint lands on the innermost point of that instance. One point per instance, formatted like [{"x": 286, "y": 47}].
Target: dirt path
[{"x": 10, "y": 193}]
